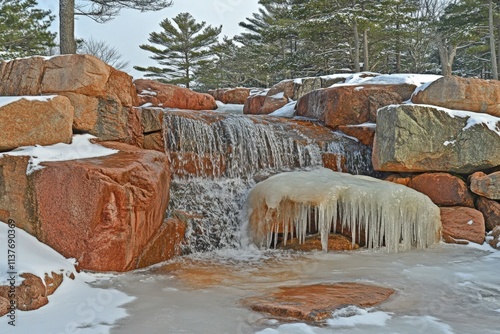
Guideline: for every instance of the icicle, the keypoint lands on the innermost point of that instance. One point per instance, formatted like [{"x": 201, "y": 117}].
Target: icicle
[{"x": 390, "y": 214}]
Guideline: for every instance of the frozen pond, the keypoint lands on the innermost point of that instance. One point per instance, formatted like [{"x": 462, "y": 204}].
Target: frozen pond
[{"x": 444, "y": 289}]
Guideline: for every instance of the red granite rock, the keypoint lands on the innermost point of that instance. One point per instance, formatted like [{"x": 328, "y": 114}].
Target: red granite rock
[
  {"x": 463, "y": 223},
  {"x": 443, "y": 189}
]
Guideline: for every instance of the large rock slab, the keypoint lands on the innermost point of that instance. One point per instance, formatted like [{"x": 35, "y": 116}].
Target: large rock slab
[
  {"x": 32, "y": 121},
  {"x": 81, "y": 74},
  {"x": 443, "y": 189},
  {"x": 172, "y": 96},
  {"x": 129, "y": 196},
  {"x": 463, "y": 94},
  {"x": 347, "y": 105},
  {"x": 105, "y": 212},
  {"x": 486, "y": 185},
  {"x": 20, "y": 77},
  {"x": 418, "y": 138},
  {"x": 461, "y": 223},
  {"x": 317, "y": 302}
]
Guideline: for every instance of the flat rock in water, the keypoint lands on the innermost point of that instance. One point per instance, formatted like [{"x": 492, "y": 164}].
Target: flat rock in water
[{"x": 317, "y": 302}]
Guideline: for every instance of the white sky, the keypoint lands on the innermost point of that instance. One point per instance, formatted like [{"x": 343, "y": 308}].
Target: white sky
[{"x": 131, "y": 28}]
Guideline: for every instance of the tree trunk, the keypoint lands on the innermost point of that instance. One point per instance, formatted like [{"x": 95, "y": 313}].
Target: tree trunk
[
  {"x": 494, "y": 68},
  {"x": 446, "y": 55},
  {"x": 356, "y": 47},
  {"x": 366, "y": 54},
  {"x": 67, "y": 43}
]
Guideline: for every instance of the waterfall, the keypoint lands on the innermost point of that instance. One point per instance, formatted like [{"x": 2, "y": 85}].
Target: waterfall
[{"x": 216, "y": 159}]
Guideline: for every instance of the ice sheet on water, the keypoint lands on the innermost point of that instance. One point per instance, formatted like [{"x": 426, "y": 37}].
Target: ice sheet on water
[{"x": 390, "y": 214}]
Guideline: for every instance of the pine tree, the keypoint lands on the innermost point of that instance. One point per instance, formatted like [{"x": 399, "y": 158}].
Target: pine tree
[
  {"x": 24, "y": 29},
  {"x": 182, "y": 47}
]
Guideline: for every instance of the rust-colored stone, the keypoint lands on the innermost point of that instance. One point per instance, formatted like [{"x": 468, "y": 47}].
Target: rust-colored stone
[
  {"x": 81, "y": 74},
  {"x": 364, "y": 133},
  {"x": 27, "y": 122},
  {"x": 20, "y": 77},
  {"x": 120, "y": 88},
  {"x": 471, "y": 94},
  {"x": 129, "y": 195},
  {"x": 443, "y": 189},
  {"x": 4, "y": 306},
  {"x": 486, "y": 185},
  {"x": 490, "y": 210},
  {"x": 347, "y": 105},
  {"x": 254, "y": 103},
  {"x": 333, "y": 161},
  {"x": 172, "y": 96},
  {"x": 165, "y": 244},
  {"x": 399, "y": 179},
  {"x": 317, "y": 302},
  {"x": 236, "y": 95},
  {"x": 463, "y": 223}
]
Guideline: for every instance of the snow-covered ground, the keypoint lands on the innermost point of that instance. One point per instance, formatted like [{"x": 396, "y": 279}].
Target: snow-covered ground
[
  {"x": 229, "y": 107},
  {"x": 75, "y": 307}
]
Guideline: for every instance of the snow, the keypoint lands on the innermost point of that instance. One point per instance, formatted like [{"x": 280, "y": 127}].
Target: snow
[
  {"x": 492, "y": 122},
  {"x": 279, "y": 95},
  {"x": 148, "y": 92},
  {"x": 297, "y": 81},
  {"x": 388, "y": 79},
  {"x": 352, "y": 316},
  {"x": 288, "y": 110},
  {"x": 470, "y": 222},
  {"x": 75, "y": 307},
  {"x": 229, "y": 107},
  {"x": 80, "y": 148},
  {"x": 5, "y": 100},
  {"x": 449, "y": 142},
  {"x": 363, "y": 125},
  {"x": 32, "y": 256},
  {"x": 386, "y": 211}
]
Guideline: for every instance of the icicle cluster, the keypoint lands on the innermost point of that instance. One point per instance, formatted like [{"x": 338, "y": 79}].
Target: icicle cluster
[{"x": 390, "y": 214}]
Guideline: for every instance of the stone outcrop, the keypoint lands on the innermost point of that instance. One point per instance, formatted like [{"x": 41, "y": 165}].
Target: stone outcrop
[
  {"x": 32, "y": 293},
  {"x": 104, "y": 211},
  {"x": 495, "y": 242},
  {"x": 486, "y": 185},
  {"x": 490, "y": 210},
  {"x": 417, "y": 138},
  {"x": 236, "y": 95},
  {"x": 254, "y": 103},
  {"x": 317, "y": 302},
  {"x": 443, "y": 189},
  {"x": 347, "y": 105},
  {"x": 461, "y": 223},
  {"x": 102, "y": 97},
  {"x": 462, "y": 94},
  {"x": 365, "y": 133},
  {"x": 35, "y": 121},
  {"x": 171, "y": 96}
]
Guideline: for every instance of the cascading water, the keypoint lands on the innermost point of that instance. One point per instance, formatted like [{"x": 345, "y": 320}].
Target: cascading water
[{"x": 216, "y": 158}]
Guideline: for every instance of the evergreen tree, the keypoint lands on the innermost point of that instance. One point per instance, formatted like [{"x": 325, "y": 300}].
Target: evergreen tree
[
  {"x": 24, "y": 29},
  {"x": 182, "y": 47},
  {"x": 100, "y": 11}
]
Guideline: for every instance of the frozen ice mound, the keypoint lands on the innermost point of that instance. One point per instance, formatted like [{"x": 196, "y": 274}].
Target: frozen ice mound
[{"x": 391, "y": 215}]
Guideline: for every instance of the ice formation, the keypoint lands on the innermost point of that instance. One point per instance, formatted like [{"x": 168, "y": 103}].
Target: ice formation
[
  {"x": 216, "y": 156},
  {"x": 390, "y": 214}
]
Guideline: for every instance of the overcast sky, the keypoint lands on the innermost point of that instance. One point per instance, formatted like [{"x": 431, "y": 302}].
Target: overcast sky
[{"x": 131, "y": 28}]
